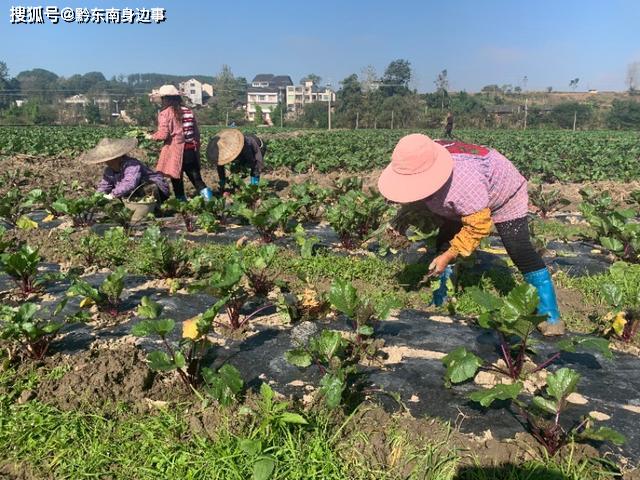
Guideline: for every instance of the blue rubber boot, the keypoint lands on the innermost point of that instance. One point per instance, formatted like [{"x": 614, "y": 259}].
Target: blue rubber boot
[
  {"x": 548, "y": 304},
  {"x": 440, "y": 295},
  {"x": 255, "y": 180},
  {"x": 206, "y": 193}
]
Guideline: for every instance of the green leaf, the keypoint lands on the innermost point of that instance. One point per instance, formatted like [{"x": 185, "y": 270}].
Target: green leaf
[
  {"x": 251, "y": 447},
  {"x": 562, "y": 383},
  {"x": 603, "y": 434},
  {"x": 461, "y": 365},
  {"x": 266, "y": 392},
  {"x": 231, "y": 377},
  {"x": 327, "y": 344},
  {"x": 365, "y": 330},
  {"x": 344, "y": 297},
  {"x": 598, "y": 344},
  {"x": 263, "y": 468},
  {"x": 545, "y": 405},
  {"x": 612, "y": 244},
  {"x": 332, "y": 386},
  {"x": 25, "y": 223},
  {"x": 143, "y": 328},
  {"x": 612, "y": 294},
  {"x": 299, "y": 358},
  {"x": 498, "y": 392},
  {"x": 521, "y": 301},
  {"x": 484, "y": 299},
  {"x": 180, "y": 360},
  {"x": 148, "y": 309},
  {"x": 160, "y": 361},
  {"x": 295, "y": 418}
]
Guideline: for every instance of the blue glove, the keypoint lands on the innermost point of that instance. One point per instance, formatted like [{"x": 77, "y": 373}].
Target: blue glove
[
  {"x": 255, "y": 180},
  {"x": 440, "y": 295}
]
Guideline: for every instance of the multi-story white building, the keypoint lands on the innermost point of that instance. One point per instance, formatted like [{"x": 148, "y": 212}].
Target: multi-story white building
[
  {"x": 266, "y": 91},
  {"x": 197, "y": 92},
  {"x": 299, "y": 95}
]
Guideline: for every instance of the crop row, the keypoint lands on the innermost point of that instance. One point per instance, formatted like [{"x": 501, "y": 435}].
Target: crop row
[{"x": 550, "y": 155}]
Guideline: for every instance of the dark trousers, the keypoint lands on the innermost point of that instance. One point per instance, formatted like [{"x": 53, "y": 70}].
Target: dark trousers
[
  {"x": 515, "y": 238},
  {"x": 190, "y": 166}
]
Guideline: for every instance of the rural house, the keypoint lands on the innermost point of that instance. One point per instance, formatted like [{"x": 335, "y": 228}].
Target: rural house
[
  {"x": 197, "y": 92},
  {"x": 299, "y": 95},
  {"x": 266, "y": 91}
]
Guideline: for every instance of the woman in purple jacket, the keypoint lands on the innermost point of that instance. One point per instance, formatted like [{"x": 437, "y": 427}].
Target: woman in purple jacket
[{"x": 125, "y": 177}]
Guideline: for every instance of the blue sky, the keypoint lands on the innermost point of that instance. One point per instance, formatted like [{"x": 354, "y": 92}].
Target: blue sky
[{"x": 479, "y": 42}]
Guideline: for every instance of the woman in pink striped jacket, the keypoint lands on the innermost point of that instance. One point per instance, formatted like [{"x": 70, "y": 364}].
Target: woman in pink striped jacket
[{"x": 178, "y": 129}]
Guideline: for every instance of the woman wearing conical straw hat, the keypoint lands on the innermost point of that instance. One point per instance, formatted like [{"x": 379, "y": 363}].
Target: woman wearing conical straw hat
[
  {"x": 178, "y": 129},
  {"x": 243, "y": 152},
  {"x": 124, "y": 176},
  {"x": 470, "y": 186}
]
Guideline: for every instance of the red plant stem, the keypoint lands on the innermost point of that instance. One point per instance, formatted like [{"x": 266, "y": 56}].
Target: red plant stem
[
  {"x": 253, "y": 314},
  {"x": 507, "y": 355},
  {"x": 548, "y": 362},
  {"x": 183, "y": 375}
]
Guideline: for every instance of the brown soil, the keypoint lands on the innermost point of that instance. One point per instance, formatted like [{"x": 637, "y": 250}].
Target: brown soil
[
  {"x": 578, "y": 309},
  {"x": 48, "y": 242},
  {"x": 385, "y": 441},
  {"x": 107, "y": 374}
]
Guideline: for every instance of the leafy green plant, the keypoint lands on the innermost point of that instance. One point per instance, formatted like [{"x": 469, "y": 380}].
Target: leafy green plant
[
  {"x": 513, "y": 319},
  {"x": 310, "y": 200},
  {"x": 362, "y": 311},
  {"x": 622, "y": 293},
  {"x": 355, "y": 215},
  {"x": 117, "y": 213},
  {"x": 328, "y": 352},
  {"x": 106, "y": 297},
  {"x": 83, "y": 210},
  {"x": 187, "y": 358},
  {"x": 268, "y": 415},
  {"x": 616, "y": 228},
  {"x": 544, "y": 413},
  {"x": 258, "y": 269},
  {"x": 162, "y": 257},
  {"x": 547, "y": 202},
  {"x": 227, "y": 285},
  {"x": 344, "y": 185},
  {"x": 22, "y": 267},
  {"x": 307, "y": 244},
  {"x": 269, "y": 215},
  {"x": 28, "y": 333},
  {"x": 14, "y": 204}
]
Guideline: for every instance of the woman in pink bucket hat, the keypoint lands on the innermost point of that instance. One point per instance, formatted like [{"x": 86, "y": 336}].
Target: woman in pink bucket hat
[{"x": 470, "y": 186}]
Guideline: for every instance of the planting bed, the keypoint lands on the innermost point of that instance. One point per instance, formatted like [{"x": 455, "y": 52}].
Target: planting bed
[{"x": 381, "y": 399}]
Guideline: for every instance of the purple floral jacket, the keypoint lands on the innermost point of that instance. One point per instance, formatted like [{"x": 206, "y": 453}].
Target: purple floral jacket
[{"x": 132, "y": 174}]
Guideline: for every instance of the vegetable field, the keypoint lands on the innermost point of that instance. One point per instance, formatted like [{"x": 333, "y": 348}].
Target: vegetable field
[
  {"x": 287, "y": 330},
  {"x": 550, "y": 155}
]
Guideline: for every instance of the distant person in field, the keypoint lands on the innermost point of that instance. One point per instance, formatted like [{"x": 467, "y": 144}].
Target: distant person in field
[
  {"x": 448, "y": 126},
  {"x": 178, "y": 129},
  {"x": 243, "y": 151},
  {"x": 124, "y": 176},
  {"x": 469, "y": 186}
]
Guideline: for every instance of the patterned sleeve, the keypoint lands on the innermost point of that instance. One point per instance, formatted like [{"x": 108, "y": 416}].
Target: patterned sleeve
[
  {"x": 130, "y": 180},
  {"x": 475, "y": 227},
  {"x": 106, "y": 183},
  {"x": 164, "y": 126}
]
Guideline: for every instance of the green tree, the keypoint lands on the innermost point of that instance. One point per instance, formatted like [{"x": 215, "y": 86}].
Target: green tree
[
  {"x": 348, "y": 101},
  {"x": 563, "y": 114},
  {"x": 396, "y": 78},
  {"x": 144, "y": 112},
  {"x": 442, "y": 86},
  {"x": 312, "y": 77},
  {"x": 624, "y": 114},
  {"x": 278, "y": 114},
  {"x": 92, "y": 113},
  {"x": 39, "y": 83},
  {"x": 315, "y": 115},
  {"x": 259, "y": 116}
]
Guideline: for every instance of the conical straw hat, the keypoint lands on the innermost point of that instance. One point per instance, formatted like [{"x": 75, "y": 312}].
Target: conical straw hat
[
  {"x": 225, "y": 147},
  {"x": 108, "y": 149}
]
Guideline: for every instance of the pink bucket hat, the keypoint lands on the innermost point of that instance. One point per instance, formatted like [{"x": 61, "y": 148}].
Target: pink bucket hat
[{"x": 419, "y": 167}]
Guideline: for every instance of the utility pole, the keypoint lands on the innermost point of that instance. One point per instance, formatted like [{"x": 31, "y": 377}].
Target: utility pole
[
  {"x": 357, "y": 119},
  {"x": 281, "y": 115},
  {"x": 329, "y": 107},
  {"x": 575, "y": 117},
  {"x": 227, "y": 121},
  {"x": 526, "y": 111},
  {"x": 391, "y": 119}
]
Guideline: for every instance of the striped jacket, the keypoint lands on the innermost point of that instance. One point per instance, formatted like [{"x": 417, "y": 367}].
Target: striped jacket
[{"x": 190, "y": 130}]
